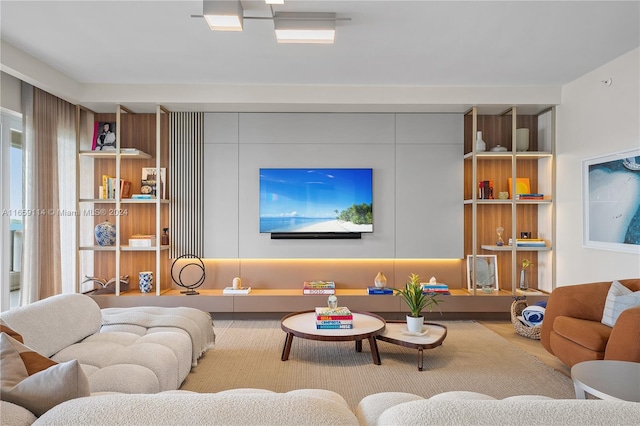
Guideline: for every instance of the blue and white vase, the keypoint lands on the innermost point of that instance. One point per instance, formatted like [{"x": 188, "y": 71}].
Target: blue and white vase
[
  {"x": 105, "y": 233},
  {"x": 145, "y": 280}
]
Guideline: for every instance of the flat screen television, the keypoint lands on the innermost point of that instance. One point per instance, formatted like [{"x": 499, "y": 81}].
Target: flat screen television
[{"x": 316, "y": 203}]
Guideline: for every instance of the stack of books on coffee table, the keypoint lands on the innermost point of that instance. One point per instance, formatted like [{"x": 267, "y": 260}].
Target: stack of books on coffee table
[{"x": 333, "y": 318}]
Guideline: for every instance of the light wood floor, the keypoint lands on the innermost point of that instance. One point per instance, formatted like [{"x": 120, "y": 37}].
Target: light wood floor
[{"x": 533, "y": 347}]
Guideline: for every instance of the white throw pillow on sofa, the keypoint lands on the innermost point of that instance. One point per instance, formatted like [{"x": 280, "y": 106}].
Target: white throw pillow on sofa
[{"x": 619, "y": 298}]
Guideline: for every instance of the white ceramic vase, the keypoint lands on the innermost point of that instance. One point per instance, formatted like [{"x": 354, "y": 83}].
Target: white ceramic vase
[
  {"x": 480, "y": 144},
  {"x": 380, "y": 280},
  {"x": 522, "y": 139},
  {"x": 415, "y": 324}
]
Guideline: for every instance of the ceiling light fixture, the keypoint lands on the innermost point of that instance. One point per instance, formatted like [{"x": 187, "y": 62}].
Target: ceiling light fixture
[
  {"x": 274, "y": 1},
  {"x": 307, "y": 27},
  {"x": 222, "y": 15},
  {"x": 290, "y": 27}
]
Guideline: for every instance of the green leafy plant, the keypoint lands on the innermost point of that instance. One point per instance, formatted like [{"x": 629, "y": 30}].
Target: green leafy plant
[
  {"x": 526, "y": 263},
  {"x": 415, "y": 298}
]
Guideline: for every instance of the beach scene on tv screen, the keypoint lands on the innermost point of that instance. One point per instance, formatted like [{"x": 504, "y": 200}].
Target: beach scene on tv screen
[{"x": 316, "y": 200}]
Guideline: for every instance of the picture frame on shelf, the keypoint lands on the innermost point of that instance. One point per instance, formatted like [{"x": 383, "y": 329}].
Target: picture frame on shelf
[
  {"x": 148, "y": 183},
  {"x": 523, "y": 186},
  {"x": 104, "y": 136},
  {"x": 487, "y": 267},
  {"x": 611, "y": 211}
]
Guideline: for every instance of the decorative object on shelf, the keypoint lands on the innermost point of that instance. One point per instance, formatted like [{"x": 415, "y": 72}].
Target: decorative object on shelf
[
  {"x": 107, "y": 286},
  {"x": 145, "y": 281},
  {"x": 332, "y": 302},
  {"x": 416, "y": 300},
  {"x": 499, "y": 231},
  {"x": 523, "y": 186},
  {"x": 487, "y": 271},
  {"x": 236, "y": 283},
  {"x": 142, "y": 240},
  {"x": 380, "y": 280},
  {"x": 480, "y": 144},
  {"x": 164, "y": 238},
  {"x": 177, "y": 271},
  {"x": 149, "y": 182},
  {"x": 104, "y": 136},
  {"x": 523, "y": 273},
  {"x": 105, "y": 233},
  {"x": 498, "y": 148},
  {"x": 525, "y": 234},
  {"x": 522, "y": 139},
  {"x": 504, "y": 195}
]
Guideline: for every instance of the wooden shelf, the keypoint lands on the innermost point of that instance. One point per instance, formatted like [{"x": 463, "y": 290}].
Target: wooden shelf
[
  {"x": 508, "y": 248},
  {"x": 508, "y": 155},
  {"x": 112, "y": 154}
]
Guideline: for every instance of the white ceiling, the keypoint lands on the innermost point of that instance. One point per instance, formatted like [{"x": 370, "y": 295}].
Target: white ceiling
[{"x": 388, "y": 43}]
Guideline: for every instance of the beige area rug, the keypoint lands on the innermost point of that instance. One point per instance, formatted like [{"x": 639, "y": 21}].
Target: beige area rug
[{"x": 472, "y": 358}]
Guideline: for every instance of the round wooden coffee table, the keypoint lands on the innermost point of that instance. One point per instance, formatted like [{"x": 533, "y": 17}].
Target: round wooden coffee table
[{"x": 303, "y": 325}]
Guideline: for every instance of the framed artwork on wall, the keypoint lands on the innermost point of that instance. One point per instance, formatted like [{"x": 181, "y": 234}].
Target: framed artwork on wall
[
  {"x": 487, "y": 266},
  {"x": 611, "y": 201}
]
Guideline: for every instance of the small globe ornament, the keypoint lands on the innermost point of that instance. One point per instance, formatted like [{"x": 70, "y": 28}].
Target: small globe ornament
[{"x": 105, "y": 233}]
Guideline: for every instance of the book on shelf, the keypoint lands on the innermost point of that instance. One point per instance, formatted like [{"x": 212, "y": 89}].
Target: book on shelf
[
  {"x": 319, "y": 287},
  {"x": 142, "y": 197},
  {"x": 379, "y": 290},
  {"x": 319, "y": 284},
  {"x": 149, "y": 182},
  {"x": 528, "y": 242},
  {"x": 485, "y": 190},
  {"x": 107, "y": 191},
  {"x": 529, "y": 196},
  {"x": 318, "y": 291},
  {"x": 231, "y": 290}
]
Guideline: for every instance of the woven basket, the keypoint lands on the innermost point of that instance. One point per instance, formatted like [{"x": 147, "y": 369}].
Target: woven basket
[{"x": 522, "y": 329}]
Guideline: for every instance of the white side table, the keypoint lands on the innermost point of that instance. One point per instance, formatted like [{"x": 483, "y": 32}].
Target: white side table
[{"x": 613, "y": 380}]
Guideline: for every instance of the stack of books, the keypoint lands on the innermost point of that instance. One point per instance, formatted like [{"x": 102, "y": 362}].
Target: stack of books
[
  {"x": 528, "y": 242},
  {"x": 109, "y": 186},
  {"x": 437, "y": 288},
  {"x": 319, "y": 287},
  {"x": 333, "y": 318},
  {"x": 379, "y": 290},
  {"x": 529, "y": 196}
]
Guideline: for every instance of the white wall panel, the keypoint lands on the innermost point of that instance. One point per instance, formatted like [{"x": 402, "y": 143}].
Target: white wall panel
[
  {"x": 221, "y": 222},
  {"x": 429, "y": 214},
  {"x": 430, "y": 128},
  {"x": 305, "y": 128},
  {"x": 221, "y": 127},
  {"x": 417, "y": 184}
]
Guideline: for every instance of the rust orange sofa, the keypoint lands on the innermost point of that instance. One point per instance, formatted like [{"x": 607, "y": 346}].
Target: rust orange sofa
[{"x": 572, "y": 330}]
